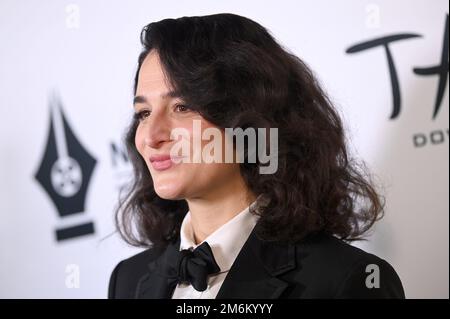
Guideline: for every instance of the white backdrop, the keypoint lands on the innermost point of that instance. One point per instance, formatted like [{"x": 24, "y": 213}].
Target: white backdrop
[{"x": 79, "y": 58}]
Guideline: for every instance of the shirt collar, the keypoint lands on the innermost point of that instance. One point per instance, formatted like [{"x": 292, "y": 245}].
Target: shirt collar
[{"x": 225, "y": 242}]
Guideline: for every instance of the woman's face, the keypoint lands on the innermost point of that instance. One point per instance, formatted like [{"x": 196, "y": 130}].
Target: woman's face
[{"x": 159, "y": 114}]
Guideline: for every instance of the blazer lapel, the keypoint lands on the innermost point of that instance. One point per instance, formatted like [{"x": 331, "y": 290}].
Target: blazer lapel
[
  {"x": 255, "y": 272},
  {"x": 158, "y": 283},
  {"x": 153, "y": 286}
]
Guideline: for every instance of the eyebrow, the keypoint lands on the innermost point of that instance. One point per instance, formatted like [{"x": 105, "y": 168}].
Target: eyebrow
[{"x": 142, "y": 99}]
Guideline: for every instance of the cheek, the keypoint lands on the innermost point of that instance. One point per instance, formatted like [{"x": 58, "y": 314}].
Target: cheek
[
  {"x": 210, "y": 175},
  {"x": 139, "y": 140}
]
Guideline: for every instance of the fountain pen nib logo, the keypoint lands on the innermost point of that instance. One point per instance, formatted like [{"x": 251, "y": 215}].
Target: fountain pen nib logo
[{"x": 65, "y": 172}]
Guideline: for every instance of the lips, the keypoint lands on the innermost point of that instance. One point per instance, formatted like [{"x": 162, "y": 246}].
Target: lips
[
  {"x": 161, "y": 162},
  {"x": 159, "y": 158}
]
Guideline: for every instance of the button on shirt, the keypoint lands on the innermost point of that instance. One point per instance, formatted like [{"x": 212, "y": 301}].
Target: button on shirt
[{"x": 226, "y": 243}]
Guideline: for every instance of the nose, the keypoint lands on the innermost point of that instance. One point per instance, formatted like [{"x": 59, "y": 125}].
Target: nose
[{"x": 157, "y": 131}]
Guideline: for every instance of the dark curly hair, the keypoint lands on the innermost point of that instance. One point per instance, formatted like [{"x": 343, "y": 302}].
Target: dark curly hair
[{"x": 233, "y": 72}]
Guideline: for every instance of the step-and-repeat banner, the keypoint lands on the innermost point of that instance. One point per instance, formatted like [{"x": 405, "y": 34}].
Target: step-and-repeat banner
[{"x": 66, "y": 77}]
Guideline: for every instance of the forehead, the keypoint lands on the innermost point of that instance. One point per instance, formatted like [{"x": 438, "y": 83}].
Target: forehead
[{"x": 151, "y": 77}]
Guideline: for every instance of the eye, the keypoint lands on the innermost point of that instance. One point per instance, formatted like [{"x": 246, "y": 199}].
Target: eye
[
  {"x": 141, "y": 115},
  {"x": 181, "y": 108}
]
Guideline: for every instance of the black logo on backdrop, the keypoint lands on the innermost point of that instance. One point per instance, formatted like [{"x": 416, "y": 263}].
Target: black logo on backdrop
[
  {"x": 441, "y": 70},
  {"x": 65, "y": 172}
]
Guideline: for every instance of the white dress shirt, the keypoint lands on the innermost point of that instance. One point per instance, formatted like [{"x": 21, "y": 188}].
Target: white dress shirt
[{"x": 226, "y": 243}]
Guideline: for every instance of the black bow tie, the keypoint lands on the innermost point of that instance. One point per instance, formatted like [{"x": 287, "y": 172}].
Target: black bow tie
[{"x": 192, "y": 267}]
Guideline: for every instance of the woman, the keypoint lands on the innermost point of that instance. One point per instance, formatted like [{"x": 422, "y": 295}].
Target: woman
[{"x": 221, "y": 229}]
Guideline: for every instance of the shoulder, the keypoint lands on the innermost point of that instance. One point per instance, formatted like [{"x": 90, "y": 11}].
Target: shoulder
[
  {"x": 127, "y": 273},
  {"x": 341, "y": 270}
]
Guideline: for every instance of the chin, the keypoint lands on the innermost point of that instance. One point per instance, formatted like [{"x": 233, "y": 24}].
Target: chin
[{"x": 168, "y": 193}]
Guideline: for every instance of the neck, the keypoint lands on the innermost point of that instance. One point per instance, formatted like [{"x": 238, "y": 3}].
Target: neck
[{"x": 210, "y": 212}]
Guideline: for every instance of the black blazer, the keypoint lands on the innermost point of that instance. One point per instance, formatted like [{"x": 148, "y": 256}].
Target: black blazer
[{"x": 320, "y": 267}]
